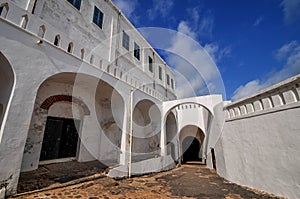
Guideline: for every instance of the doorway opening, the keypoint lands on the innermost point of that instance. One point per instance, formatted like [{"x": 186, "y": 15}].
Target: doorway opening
[
  {"x": 60, "y": 139},
  {"x": 191, "y": 149},
  {"x": 213, "y": 157}
]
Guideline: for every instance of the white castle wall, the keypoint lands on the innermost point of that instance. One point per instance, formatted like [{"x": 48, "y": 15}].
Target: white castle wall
[{"x": 260, "y": 143}]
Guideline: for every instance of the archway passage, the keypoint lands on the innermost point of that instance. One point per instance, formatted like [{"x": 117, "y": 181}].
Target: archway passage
[
  {"x": 146, "y": 131},
  {"x": 192, "y": 140},
  {"x": 191, "y": 148},
  {"x": 60, "y": 138}
]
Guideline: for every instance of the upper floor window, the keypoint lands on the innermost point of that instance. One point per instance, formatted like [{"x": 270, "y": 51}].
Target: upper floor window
[
  {"x": 172, "y": 83},
  {"x": 168, "y": 79},
  {"x": 150, "y": 64},
  {"x": 75, "y": 3},
  {"x": 136, "y": 51},
  {"x": 160, "y": 73},
  {"x": 1, "y": 8},
  {"x": 125, "y": 41},
  {"x": 98, "y": 17}
]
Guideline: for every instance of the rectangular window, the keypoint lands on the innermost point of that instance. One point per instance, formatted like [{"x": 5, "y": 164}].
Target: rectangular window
[
  {"x": 98, "y": 17},
  {"x": 75, "y": 3},
  {"x": 168, "y": 79},
  {"x": 1, "y": 8},
  {"x": 172, "y": 83},
  {"x": 136, "y": 51},
  {"x": 150, "y": 64},
  {"x": 160, "y": 73},
  {"x": 125, "y": 41}
]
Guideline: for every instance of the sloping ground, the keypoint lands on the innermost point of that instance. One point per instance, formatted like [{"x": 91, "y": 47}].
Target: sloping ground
[
  {"x": 55, "y": 175},
  {"x": 187, "y": 181}
]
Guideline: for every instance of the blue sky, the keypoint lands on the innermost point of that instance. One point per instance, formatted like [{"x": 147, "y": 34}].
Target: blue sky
[{"x": 254, "y": 43}]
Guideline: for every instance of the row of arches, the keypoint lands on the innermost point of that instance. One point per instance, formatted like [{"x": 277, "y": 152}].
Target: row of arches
[{"x": 80, "y": 117}]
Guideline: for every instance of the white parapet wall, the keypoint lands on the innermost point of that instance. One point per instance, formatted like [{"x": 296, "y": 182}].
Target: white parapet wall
[{"x": 260, "y": 143}]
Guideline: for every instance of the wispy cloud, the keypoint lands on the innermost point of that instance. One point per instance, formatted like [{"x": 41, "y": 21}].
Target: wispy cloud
[
  {"x": 258, "y": 21},
  {"x": 128, "y": 7},
  {"x": 195, "y": 66},
  {"x": 200, "y": 22},
  {"x": 290, "y": 54},
  {"x": 160, "y": 8},
  {"x": 290, "y": 10}
]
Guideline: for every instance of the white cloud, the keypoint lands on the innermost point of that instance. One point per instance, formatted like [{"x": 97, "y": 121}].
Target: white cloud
[
  {"x": 290, "y": 53},
  {"x": 285, "y": 50},
  {"x": 290, "y": 10},
  {"x": 196, "y": 71},
  {"x": 127, "y": 7},
  {"x": 160, "y": 8},
  {"x": 258, "y": 21}
]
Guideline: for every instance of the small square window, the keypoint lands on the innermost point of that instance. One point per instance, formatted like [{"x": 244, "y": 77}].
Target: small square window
[
  {"x": 136, "y": 51},
  {"x": 160, "y": 73},
  {"x": 150, "y": 64},
  {"x": 98, "y": 17},
  {"x": 125, "y": 41},
  {"x": 168, "y": 79},
  {"x": 75, "y": 3}
]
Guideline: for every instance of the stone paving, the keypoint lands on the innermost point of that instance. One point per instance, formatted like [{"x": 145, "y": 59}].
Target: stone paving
[{"x": 187, "y": 181}]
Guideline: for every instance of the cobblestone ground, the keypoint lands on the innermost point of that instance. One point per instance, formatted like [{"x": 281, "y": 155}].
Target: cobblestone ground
[{"x": 187, "y": 181}]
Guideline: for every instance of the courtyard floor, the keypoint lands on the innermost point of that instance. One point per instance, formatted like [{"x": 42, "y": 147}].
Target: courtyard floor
[{"x": 187, "y": 181}]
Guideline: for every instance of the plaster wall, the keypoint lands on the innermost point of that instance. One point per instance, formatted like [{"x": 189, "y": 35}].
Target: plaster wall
[{"x": 262, "y": 152}]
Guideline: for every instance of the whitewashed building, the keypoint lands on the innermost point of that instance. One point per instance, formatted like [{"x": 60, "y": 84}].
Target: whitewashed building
[{"x": 79, "y": 82}]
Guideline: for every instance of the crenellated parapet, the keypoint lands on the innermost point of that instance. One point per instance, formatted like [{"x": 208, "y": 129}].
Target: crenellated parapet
[{"x": 284, "y": 95}]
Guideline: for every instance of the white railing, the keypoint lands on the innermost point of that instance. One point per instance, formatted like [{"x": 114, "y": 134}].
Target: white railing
[{"x": 271, "y": 99}]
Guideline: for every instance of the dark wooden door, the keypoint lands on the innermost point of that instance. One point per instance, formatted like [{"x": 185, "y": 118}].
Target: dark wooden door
[{"x": 60, "y": 138}]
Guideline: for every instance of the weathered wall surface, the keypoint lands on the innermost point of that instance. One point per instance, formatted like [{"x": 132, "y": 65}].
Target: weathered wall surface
[{"x": 260, "y": 148}]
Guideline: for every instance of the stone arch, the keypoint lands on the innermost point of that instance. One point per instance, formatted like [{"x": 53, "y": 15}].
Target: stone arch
[
  {"x": 7, "y": 84},
  {"x": 193, "y": 134},
  {"x": 181, "y": 106},
  {"x": 99, "y": 124},
  {"x": 67, "y": 98},
  {"x": 146, "y": 130}
]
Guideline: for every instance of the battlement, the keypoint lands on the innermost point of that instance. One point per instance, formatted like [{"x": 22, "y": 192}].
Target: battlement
[{"x": 284, "y": 95}]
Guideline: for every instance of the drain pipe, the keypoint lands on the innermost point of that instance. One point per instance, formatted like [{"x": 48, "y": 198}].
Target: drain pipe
[{"x": 130, "y": 132}]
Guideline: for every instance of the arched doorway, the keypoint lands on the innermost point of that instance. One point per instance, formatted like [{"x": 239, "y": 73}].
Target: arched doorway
[
  {"x": 192, "y": 144},
  {"x": 146, "y": 131},
  {"x": 171, "y": 132},
  {"x": 7, "y": 79},
  {"x": 80, "y": 115},
  {"x": 191, "y": 149}
]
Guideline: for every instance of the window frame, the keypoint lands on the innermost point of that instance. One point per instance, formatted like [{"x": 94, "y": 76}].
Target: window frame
[
  {"x": 160, "y": 73},
  {"x": 150, "y": 62},
  {"x": 125, "y": 40},
  {"x": 137, "y": 51},
  {"x": 100, "y": 17},
  {"x": 73, "y": 3},
  {"x": 168, "y": 79}
]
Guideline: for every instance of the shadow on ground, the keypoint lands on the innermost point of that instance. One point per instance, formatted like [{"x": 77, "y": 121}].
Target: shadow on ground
[{"x": 56, "y": 174}]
